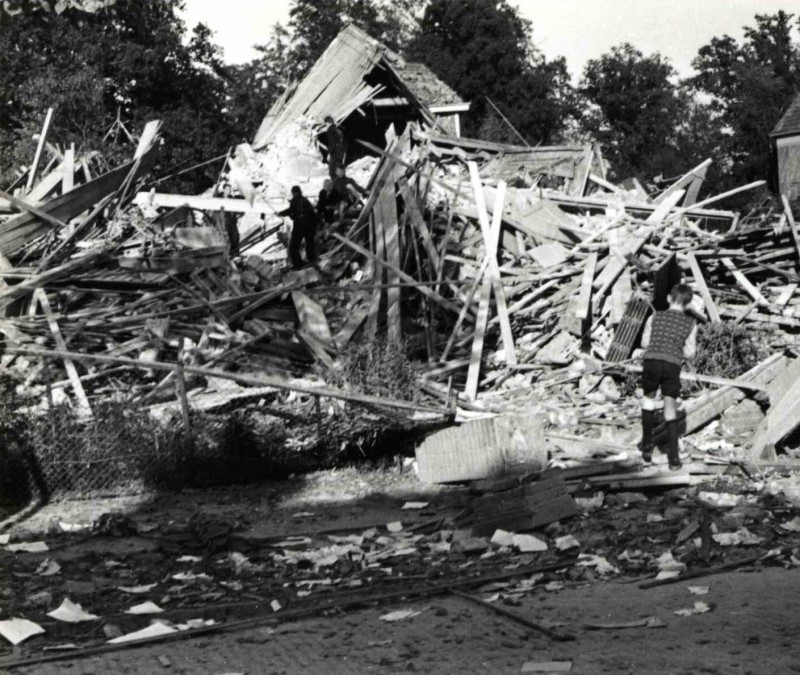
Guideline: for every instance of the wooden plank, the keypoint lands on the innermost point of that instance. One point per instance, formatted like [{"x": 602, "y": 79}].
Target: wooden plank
[
  {"x": 509, "y": 349},
  {"x": 787, "y": 209},
  {"x": 12, "y": 293},
  {"x": 786, "y": 295},
  {"x": 601, "y": 203},
  {"x": 46, "y": 186},
  {"x": 744, "y": 282},
  {"x": 582, "y": 172},
  {"x": 386, "y": 209},
  {"x": 72, "y": 372},
  {"x": 700, "y": 412},
  {"x": 524, "y": 508},
  {"x": 260, "y": 380},
  {"x": 418, "y": 222},
  {"x": 585, "y": 294},
  {"x": 229, "y": 204},
  {"x": 700, "y": 282},
  {"x": 68, "y": 181},
  {"x": 616, "y": 264},
  {"x": 345, "y": 334},
  {"x": 684, "y": 182},
  {"x": 687, "y": 210},
  {"x": 30, "y": 208},
  {"x": 39, "y": 147},
  {"x": 312, "y": 318},
  {"x": 741, "y": 383},
  {"x": 491, "y": 237},
  {"x": 476, "y": 284},
  {"x": 476, "y": 356},
  {"x": 16, "y": 232},
  {"x": 147, "y": 138},
  {"x": 782, "y": 418},
  {"x": 621, "y": 293},
  {"x": 438, "y": 299},
  {"x": 379, "y": 272}
]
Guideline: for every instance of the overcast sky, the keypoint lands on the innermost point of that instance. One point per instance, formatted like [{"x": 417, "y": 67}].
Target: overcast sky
[{"x": 577, "y": 29}]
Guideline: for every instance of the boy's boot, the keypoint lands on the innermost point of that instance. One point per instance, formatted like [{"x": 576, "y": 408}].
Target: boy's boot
[
  {"x": 672, "y": 448},
  {"x": 646, "y": 444}
]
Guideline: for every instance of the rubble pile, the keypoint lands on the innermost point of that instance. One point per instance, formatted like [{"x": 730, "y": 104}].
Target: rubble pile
[
  {"x": 125, "y": 574},
  {"x": 516, "y": 279}
]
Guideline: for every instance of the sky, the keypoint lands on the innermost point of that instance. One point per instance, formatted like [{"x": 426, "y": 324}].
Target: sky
[{"x": 576, "y": 29}]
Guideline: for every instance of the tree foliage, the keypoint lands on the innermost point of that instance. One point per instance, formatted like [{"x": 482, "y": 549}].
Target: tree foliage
[
  {"x": 95, "y": 60},
  {"x": 635, "y": 111},
  {"x": 483, "y": 48},
  {"x": 129, "y": 60},
  {"x": 749, "y": 84}
]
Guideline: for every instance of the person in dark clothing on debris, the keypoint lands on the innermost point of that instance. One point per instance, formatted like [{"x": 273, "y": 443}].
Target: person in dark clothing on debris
[
  {"x": 230, "y": 224},
  {"x": 334, "y": 139},
  {"x": 326, "y": 203},
  {"x": 522, "y": 179},
  {"x": 304, "y": 226},
  {"x": 346, "y": 190},
  {"x": 669, "y": 337}
]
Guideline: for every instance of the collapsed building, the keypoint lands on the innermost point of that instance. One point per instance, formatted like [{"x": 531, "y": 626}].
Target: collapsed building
[{"x": 517, "y": 280}]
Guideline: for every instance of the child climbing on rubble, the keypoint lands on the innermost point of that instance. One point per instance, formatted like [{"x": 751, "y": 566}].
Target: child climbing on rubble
[{"x": 669, "y": 337}]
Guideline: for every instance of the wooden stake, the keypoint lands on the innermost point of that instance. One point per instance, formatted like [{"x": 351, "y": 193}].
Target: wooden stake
[
  {"x": 39, "y": 147},
  {"x": 83, "y": 402}
]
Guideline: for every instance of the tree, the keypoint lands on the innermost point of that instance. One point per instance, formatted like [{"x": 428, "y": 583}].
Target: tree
[
  {"x": 313, "y": 24},
  {"x": 128, "y": 60},
  {"x": 749, "y": 85},
  {"x": 483, "y": 48},
  {"x": 11, "y": 8},
  {"x": 635, "y": 111}
]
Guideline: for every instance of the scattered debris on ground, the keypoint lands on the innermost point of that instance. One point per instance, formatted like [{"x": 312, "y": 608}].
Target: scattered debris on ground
[{"x": 496, "y": 287}]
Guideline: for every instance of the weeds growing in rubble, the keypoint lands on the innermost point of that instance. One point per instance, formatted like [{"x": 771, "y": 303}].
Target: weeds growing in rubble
[
  {"x": 727, "y": 350},
  {"x": 377, "y": 367}
]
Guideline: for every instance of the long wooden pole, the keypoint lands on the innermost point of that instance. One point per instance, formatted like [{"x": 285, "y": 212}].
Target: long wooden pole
[
  {"x": 263, "y": 381},
  {"x": 39, "y": 148}
]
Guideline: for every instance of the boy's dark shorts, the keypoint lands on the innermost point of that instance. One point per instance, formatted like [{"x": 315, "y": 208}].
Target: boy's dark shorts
[{"x": 657, "y": 373}]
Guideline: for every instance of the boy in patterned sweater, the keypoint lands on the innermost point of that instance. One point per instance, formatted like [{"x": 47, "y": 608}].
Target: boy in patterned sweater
[{"x": 669, "y": 337}]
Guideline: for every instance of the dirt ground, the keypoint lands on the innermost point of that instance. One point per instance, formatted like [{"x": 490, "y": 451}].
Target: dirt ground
[{"x": 750, "y": 628}]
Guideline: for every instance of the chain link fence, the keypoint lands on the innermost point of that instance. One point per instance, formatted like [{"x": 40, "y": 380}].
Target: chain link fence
[{"x": 125, "y": 448}]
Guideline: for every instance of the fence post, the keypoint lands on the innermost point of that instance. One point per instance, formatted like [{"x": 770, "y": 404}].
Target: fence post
[
  {"x": 180, "y": 390},
  {"x": 47, "y": 382}
]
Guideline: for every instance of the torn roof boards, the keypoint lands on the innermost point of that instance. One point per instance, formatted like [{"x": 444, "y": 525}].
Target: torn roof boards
[{"x": 338, "y": 84}]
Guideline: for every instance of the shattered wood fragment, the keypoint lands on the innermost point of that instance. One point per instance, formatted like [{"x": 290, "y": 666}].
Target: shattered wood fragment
[
  {"x": 708, "y": 301},
  {"x": 787, "y": 209},
  {"x": 690, "y": 182},
  {"x": 312, "y": 318},
  {"x": 83, "y": 402},
  {"x": 435, "y": 297},
  {"x": 524, "y": 508},
  {"x": 742, "y": 280},
  {"x": 18, "y": 231},
  {"x": 628, "y": 330},
  {"x": 39, "y": 147},
  {"x": 482, "y": 449},
  {"x": 583, "y": 308},
  {"x": 782, "y": 418}
]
